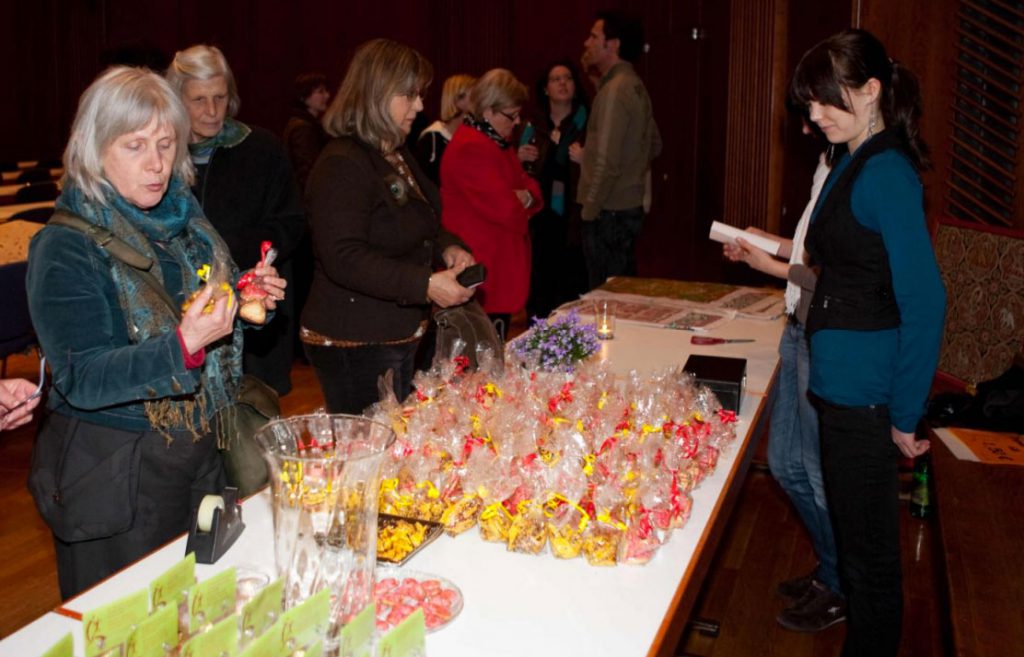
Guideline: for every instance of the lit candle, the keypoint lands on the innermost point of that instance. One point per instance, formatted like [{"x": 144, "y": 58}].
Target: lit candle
[{"x": 604, "y": 320}]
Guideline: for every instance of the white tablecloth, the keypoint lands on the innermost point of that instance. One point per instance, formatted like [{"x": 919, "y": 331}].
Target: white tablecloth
[{"x": 517, "y": 604}]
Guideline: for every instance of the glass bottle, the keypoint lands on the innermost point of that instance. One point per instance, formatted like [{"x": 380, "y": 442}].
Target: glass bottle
[{"x": 920, "y": 497}]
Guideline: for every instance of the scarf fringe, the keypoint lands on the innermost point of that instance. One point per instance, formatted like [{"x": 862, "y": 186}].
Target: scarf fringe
[{"x": 166, "y": 415}]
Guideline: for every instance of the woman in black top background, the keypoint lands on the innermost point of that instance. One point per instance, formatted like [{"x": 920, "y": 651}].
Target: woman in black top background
[{"x": 551, "y": 150}]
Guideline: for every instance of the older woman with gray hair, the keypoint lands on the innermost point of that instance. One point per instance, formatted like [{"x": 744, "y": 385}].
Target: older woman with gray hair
[
  {"x": 487, "y": 197},
  {"x": 127, "y": 448},
  {"x": 245, "y": 186}
]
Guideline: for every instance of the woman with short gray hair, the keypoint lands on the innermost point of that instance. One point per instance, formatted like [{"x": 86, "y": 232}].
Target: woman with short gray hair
[
  {"x": 487, "y": 197},
  {"x": 245, "y": 186},
  {"x": 126, "y": 449}
]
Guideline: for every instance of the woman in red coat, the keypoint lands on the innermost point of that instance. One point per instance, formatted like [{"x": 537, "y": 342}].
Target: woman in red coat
[{"x": 486, "y": 197}]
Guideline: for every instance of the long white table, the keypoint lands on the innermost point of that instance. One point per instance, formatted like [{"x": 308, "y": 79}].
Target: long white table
[{"x": 518, "y": 604}]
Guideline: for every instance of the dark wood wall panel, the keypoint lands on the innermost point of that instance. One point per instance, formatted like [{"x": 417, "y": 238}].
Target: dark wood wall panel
[
  {"x": 807, "y": 22},
  {"x": 751, "y": 131},
  {"x": 672, "y": 72},
  {"x": 919, "y": 33},
  {"x": 730, "y": 151}
]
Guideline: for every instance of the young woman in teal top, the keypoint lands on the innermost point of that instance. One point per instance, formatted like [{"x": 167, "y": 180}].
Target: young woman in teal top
[{"x": 876, "y": 318}]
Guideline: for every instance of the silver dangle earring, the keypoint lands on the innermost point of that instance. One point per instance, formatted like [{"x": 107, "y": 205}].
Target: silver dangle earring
[{"x": 873, "y": 123}]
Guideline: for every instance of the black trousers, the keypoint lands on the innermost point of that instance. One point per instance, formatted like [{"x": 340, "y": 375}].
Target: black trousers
[
  {"x": 172, "y": 479},
  {"x": 859, "y": 463},
  {"x": 609, "y": 244},
  {"x": 349, "y": 375},
  {"x": 558, "y": 270}
]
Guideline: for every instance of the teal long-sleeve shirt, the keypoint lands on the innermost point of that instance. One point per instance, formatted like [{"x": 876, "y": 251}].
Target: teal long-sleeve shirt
[{"x": 892, "y": 366}]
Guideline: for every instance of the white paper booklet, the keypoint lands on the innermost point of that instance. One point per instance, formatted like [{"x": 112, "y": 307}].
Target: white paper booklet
[{"x": 727, "y": 234}]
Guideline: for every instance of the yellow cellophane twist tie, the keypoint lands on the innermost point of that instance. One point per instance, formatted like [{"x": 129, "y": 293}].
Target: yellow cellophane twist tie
[
  {"x": 547, "y": 456},
  {"x": 492, "y": 510},
  {"x": 648, "y": 429},
  {"x": 603, "y": 401},
  {"x": 588, "y": 464},
  {"x": 697, "y": 416},
  {"x": 432, "y": 491},
  {"x": 203, "y": 273},
  {"x": 605, "y": 516},
  {"x": 552, "y": 505},
  {"x": 493, "y": 390}
]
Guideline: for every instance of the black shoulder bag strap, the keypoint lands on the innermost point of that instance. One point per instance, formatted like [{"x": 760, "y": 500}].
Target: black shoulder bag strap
[{"x": 119, "y": 249}]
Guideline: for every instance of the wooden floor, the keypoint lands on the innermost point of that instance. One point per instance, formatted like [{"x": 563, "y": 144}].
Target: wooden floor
[{"x": 763, "y": 545}]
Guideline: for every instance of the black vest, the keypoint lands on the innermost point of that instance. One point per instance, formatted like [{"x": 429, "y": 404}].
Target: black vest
[{"x": 854, "y": 289}]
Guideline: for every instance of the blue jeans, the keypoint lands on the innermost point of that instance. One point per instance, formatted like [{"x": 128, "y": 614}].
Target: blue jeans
[{"x": 794, "y": 450}]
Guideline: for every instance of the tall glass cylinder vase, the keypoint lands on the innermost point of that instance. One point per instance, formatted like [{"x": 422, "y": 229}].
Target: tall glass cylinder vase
[{"x": 325, "y": 477}]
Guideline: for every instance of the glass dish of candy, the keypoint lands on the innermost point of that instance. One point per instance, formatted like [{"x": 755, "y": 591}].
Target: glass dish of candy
[{"x": 401, "y": 591}]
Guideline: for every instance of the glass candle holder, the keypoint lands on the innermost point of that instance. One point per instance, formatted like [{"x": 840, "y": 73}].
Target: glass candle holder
[{"x": 604, "y": 319}]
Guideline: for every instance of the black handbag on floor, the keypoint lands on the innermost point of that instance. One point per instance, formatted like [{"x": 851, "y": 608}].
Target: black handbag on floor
[{"x": 255, "y": 403}]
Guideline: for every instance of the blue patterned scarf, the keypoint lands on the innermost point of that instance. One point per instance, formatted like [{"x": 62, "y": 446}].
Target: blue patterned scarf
[
  {"x": 232, "y": 133},
  {"x": 177, "y": 223}
]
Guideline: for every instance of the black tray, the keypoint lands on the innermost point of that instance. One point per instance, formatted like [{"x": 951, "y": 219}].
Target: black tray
[{"x": 434, "y": 529}]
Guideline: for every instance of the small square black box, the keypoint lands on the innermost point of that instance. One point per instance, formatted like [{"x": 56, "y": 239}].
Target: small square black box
[{"x": 727, "y": 377}]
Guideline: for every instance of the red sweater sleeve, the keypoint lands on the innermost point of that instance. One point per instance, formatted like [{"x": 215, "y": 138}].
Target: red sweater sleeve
[{"x": 192, "y": 361}]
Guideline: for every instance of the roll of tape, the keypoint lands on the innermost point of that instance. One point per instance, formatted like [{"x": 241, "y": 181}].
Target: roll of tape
[{"x": 204, "y": 517}]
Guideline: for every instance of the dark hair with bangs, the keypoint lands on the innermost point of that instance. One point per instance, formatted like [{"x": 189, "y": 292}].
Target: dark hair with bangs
[{"x": 849, "y": 59}]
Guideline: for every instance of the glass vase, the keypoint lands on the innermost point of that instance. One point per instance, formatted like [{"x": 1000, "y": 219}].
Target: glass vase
[{"x": 324, "y": 475}]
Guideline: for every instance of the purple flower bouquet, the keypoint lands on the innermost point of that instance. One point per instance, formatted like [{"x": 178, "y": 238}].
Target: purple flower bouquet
[{"x": 556, "y": 345}]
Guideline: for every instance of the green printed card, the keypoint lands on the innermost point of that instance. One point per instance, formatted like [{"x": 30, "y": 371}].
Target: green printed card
[
  {"x": 63, "y": 648},
  {"x": 172, "y": 587},
  {"x": 211, "y": 599},
  {"x": 265, "y": 645},
  {"x": 407, "y": 639},
  {"x": 110, "y": 625},
  {"x": 260, "y": 613},
  {"x": 156, "y": 635},
  {"x": 221, "y": 640},
  {"x": 306, "y": 623},
  {"x": 356, "y": 637}
]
